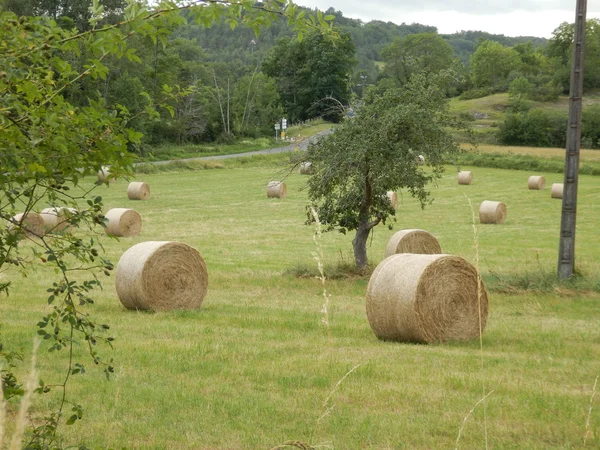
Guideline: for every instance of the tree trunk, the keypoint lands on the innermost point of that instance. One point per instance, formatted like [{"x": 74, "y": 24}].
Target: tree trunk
[{"x": 359, "y": 243}]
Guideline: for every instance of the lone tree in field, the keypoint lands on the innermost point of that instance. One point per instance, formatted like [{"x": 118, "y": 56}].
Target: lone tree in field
[{"x": 378, "y": 151}]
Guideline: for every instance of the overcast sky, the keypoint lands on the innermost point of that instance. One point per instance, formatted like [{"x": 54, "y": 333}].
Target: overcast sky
[{"x": 508, "y": 17}]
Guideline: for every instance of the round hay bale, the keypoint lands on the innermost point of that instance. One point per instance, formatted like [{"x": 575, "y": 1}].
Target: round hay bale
[
  {"x": 138, "y": 190},
  {"x": 536, "y": 182},
  {"x": 306, "y": 168},
  {"x": 56, "y": 219},
  {"x": 31, "y": 224},
  {"x": 123, "y": 222},
  {"x": 276, "y": 189},
  {"x": 426, "y": 298},
  {"x": 161, "y": 276},
  {"x": 557, "y": 190},
  {"x": 492, "y": 212},
  {"x": 413, "y": 241},
  {"x": 393, "y": 199},
  {"x": 465, "y": 177},
  {"x": 104, "y": 175}
]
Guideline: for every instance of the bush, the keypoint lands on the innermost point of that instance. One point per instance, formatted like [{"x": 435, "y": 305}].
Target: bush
[
  {"x": 476, "y": 93},
  {"x": 535, "y": 128},
  {"x": 590, "y": 131}
]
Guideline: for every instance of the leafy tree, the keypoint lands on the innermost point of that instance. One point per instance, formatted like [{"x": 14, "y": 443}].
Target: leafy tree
[
  {"x": 535, "y": 128},
  {"x": 560, "y": 50},
  {"x": 423, "y": 52},
  {"x": 377, "y": 151},
  {"x": 492, "y": 63},
  {"x": 312, "y": 75},
  {"x": 47, "y": 143}
]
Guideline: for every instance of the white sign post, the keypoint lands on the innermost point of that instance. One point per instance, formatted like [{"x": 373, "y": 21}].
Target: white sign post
[{"x": 277, "y": 128}]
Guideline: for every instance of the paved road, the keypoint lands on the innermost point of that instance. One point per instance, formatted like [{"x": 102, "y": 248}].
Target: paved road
[{"x": 302, "y": 145}]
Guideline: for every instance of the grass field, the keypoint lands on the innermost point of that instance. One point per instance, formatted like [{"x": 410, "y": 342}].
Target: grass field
[{"x": 256, "y": 366}]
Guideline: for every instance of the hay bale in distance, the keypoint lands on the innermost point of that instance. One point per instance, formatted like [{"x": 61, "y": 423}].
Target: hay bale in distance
[
  {"x": 426, "y": 298},
  {"x": 31, "y": 224},
  {"x": 104, "y": 175},
  {"x": 492, "y": 212},
  {"x": 161, "y": 276},
  {"x": 465, "y": 177},
  {"x": 306, "y": 168},
  {"x": 420, "y": 160},
  {"x": 276, "y": 189},
  {"x": 138, "y": 190},
  {"x": 413, "y": 241},
  {"x": 392, "y": 198},
  {"x": 536, "y": 182},
  {"x": 123, "y": 222},
  {"x": 56, "y": 219},
  {"x": 557, "y": 190}
]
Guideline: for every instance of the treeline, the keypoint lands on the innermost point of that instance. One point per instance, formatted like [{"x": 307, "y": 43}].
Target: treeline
[{"x": 198, "y": 84}]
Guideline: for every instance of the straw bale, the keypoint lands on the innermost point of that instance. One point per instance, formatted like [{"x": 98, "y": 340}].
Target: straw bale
[
  {"x": 138, "y": 190},
  {"x": 32, "y": 224},
  {"x": 393, "y": 199},
  {"x": 492, "y": 212},
  {"x": 426, "y": 298},
  {"x": 161, "y": 276},
  {"x": 306, "y": 168},
  {"x": 536, "y": 182},
  {"x": 557, "y": 190},
  {"x": 465, "y": 177},
  {"x": 276, "y": 189},
  {"x": 56, "y": 219},
  {"x": 413, "y": 241},
  {"x": 123, "y": 222},
  {"x": 104, "y": 175}
]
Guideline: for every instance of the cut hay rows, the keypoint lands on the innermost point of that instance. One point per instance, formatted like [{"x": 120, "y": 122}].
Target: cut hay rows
[
  {"x": 426, "y": 298},
  {"x": 32, "y": 224},
  {"x": 536, "y": 182},
  {"x": 465, "y": 177},
  {"x": 557, "y": 190},
  {"x": 138, "y": 190},
  {"x": 161, "y": 276},
  {"x": 276, "y": 189},
  {"x": 123, "y": 222},
  {"x": 492, "y": 212},
  {"x": 306, "y": 168},
  {"x": 412, "y": 241},
  {"x": 392, "y": 198},
  {"x": 56, "y": 219},
  {"x": 104, "y": 175}
]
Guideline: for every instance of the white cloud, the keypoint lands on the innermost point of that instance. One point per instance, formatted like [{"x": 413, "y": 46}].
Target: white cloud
[{"x": 508, "y": 17}]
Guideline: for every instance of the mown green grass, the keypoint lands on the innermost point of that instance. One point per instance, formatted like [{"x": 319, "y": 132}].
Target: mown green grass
[{"x": 253, "y": 367}]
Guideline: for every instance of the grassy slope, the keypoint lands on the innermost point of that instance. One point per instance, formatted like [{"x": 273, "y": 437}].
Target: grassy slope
[{"x": 254, "y": 366}]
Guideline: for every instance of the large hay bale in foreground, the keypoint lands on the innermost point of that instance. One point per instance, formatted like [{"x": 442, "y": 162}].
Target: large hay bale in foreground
[
  {"x": 306, "y": 168},
  {"x": 104, "y": 175},
  {"x": 412, "y": 241},
  {"x": 276, "y": 189},
  {"x": 161, "y": 276},
  {"x": 392, "y": 198},
  {"x": 426, "y": 298},
  {"x": 492, "y": 212},
  {"x": 138, "y": 190},
  {"x": 557, "y": 190},
  {"x": 56, "y": 219},
  {"x": 31, "y": 224},
  {"x": 465, "y": 177},
  {"x": 536, "y": 182},
  {"x": 123, "y": 222}
]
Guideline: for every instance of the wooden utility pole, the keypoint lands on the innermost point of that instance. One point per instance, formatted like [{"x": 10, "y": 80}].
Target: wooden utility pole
[{"x": 566, "y": 252}]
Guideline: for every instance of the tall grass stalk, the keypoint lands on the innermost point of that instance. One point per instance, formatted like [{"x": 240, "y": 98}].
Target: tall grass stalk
[
  {"x": 30, "y": 386},
  {"x": 326, "y": 403},
  {"x": 318, "y": 257},
  {"x": 482, "y": 365},
  {"x": 589, "y": 416}
]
